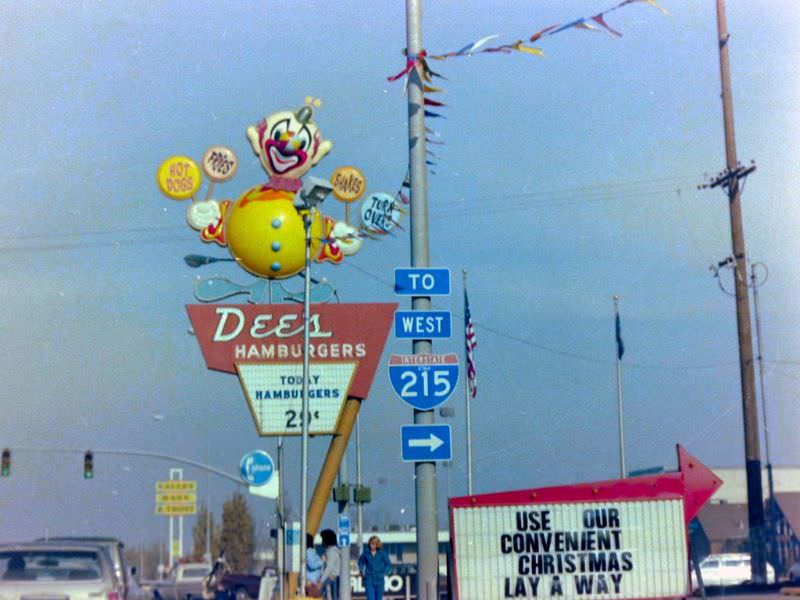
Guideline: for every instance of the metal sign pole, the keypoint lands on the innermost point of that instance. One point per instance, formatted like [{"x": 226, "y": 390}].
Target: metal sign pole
[
  {"x": 307, "y": 220},
  {"x": 425, "y": 472}
]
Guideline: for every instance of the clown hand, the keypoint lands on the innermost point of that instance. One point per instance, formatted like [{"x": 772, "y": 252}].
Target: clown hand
[
  {"x": 202, "y": 214},
  {"x": 347, "y": 237}
]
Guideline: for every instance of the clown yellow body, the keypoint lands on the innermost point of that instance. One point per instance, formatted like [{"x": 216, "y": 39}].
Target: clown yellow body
[{"x": 263, "y": 230}]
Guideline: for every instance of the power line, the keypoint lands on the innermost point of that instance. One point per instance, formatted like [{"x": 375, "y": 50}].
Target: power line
[{"x": 550, "y": 349}]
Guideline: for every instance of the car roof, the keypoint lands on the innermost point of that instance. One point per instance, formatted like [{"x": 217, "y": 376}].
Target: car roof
[
  {"x": 49, "y": 545},
  {"x": 79, "y": 538}
]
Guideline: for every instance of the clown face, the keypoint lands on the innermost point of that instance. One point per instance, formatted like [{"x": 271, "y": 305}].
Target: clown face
[{"x": 288, "y": 143}]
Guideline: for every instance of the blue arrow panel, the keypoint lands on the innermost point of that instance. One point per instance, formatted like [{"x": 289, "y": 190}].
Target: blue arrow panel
[{"x": 425, "y": 443}]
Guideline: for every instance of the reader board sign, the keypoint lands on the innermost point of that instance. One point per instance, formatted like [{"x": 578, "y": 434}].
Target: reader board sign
[
  {"x": 263, "y": 345},
  {"x": 613, "y": 539}
]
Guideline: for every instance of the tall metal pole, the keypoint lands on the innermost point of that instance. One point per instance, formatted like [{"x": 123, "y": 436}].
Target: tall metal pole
[
  {"x": 771, "y": 486},
  {"x": 620, "y": 417},
  {"x": 359, "y": 505},
  {"x": 344, "y": 550},
  {"x": 755, "y": 498},
  {"x": 425, "y": 472},
  {"x": 468, "y": 402},
  {"x": 307, "y": 220},
  {"x": 281, "y": 521}
]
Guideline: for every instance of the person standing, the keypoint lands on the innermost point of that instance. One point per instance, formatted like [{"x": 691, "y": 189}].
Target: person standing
[
  {"x": 333, "y": 565},
  {"x": 374, "y": 565},
  {"x": 314, "y": 566}
]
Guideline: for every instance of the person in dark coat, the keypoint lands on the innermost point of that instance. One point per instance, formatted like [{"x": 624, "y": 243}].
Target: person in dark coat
[{"x": 374, "y": 565}]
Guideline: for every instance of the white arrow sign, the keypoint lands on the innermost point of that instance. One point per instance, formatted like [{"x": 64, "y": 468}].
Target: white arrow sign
[{"x": 432, "y": 442}]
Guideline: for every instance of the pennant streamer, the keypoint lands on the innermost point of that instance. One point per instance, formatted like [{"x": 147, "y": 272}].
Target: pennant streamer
[
  {"x": 419, "y": 63},
  {"x": 480, "y": 46}
]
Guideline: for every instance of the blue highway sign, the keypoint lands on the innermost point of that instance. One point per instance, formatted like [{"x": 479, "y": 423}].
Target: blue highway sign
[
  {"x": 422, "y": 282},
  {"x": 256, "y": 467},
  {"x": 422, "y": 443},
  {"x": 422, "y": 324},
  {"x": 343, "y": 536},
  {"x": 423, "y": 380}
]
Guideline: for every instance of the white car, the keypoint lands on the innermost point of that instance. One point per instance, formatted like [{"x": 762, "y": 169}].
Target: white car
[{"x": 728, "y": 569}]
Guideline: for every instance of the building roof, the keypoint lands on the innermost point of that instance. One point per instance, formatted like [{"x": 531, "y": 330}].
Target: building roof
[
  {"x": 734, "y": 487},
  {"x": 722, "y": 522},
  {"x": 789, "y": 504}
]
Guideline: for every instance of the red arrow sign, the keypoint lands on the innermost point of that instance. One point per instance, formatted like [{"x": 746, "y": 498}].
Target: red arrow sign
[{"x": 625, "y": 538}]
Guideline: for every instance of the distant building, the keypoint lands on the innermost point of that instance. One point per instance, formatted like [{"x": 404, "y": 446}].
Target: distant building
[{"x": 722, "y": 525}]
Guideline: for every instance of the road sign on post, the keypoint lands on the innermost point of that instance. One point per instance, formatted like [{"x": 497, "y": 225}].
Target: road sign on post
[
  {"x": 421, "y": 282},
  {"x": 619, "y": 539},
  {"x": 344, "y": 530},
  {"x": 422, "y": 324},
  {"x": 257, "y": 468},
  {"x": 423, "y": 380},
  {"x": 426, "y": 443},
  {"x": 176, "y": 497}
]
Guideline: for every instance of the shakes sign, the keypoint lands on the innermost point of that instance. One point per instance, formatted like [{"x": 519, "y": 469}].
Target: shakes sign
[
  {"x": 263, "y": 344},
  {"x": 611, "y": 539}
]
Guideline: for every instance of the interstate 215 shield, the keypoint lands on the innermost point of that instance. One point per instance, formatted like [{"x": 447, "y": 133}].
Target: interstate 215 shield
[{"x": 423, "y": 380}]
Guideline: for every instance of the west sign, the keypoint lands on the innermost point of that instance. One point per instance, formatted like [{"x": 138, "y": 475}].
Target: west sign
[
  {"x": 263, "y": 345},
  {"x": 625, "y": 538}
]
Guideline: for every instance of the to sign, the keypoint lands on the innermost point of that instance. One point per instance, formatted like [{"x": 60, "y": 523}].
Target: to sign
[
  {"x": 422, "y": 324},
  {"x": 422, "y": 282},
  {"x": 257, "y": 468},
  {"x": 622, "y": 539},
  {"x": 423, "y": 443},
  {"x": 423, "y": 380}
]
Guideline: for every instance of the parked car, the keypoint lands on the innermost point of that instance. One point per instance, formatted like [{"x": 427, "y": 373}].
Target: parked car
[
  {"x": 116, "y": 550},
  {"x": 57, "y": 570},
  {"x": 242, "y": 586},
  {"x": 728, "y": 569},
  {"x": 185, "y": 581}
]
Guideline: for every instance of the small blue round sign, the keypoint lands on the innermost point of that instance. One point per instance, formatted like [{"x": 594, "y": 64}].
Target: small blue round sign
[{"x": 257, "y": 468}]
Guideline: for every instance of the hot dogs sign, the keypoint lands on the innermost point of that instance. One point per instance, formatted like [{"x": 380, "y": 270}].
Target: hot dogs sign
[{"x": 264, "y": 231}]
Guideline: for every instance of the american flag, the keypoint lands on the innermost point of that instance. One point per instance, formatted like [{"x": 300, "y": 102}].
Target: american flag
[{"x": 470, "y": 343}]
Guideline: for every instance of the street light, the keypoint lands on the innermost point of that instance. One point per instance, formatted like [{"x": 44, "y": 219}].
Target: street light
[{"x": 314, "y": 191}]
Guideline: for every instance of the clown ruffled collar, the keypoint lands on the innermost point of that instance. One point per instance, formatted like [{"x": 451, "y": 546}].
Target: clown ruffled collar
[{"x": 285, "y": 184}]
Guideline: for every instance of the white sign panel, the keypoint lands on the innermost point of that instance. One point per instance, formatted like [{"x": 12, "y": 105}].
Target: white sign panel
[
  {"x": 571, "y": 550},
  {"x": 275, "y": 395}
]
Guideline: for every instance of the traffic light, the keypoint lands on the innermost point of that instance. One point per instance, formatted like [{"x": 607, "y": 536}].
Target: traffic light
[
  {"x": 5, "y": 470},
  {"x": 88, "y": 465}
]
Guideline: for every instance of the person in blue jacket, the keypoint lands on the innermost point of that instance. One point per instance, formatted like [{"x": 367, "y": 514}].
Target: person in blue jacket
[{"x": 374, "y": 565}]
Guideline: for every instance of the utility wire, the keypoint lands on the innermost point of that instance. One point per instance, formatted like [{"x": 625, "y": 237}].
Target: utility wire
[{"x": 550, "y": 349}]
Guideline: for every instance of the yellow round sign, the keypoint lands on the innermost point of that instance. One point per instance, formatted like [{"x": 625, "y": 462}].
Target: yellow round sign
[
  {"x": 349, "y": 183},
  {"x": 179, "y": 177}
]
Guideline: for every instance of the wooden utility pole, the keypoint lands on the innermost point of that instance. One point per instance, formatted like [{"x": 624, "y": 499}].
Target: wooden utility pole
[{"x": 730, "y": 182}]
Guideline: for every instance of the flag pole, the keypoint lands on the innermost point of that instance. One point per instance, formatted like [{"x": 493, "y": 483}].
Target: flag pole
[
  {"x": 620, "y": 351},
  {"x": 467, "y": 398}
]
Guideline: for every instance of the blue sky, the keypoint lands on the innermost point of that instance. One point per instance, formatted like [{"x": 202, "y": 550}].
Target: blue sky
[{"x": 564, "y": 180}]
